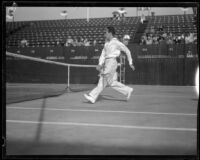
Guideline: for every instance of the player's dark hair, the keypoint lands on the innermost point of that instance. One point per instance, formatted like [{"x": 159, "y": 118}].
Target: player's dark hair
[{"x": 111, "y": 29}]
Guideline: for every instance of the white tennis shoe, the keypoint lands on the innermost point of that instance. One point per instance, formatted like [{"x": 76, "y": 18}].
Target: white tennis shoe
[
  {"x": 89, "y": 98},
  {"x": 129, "y": 94}
]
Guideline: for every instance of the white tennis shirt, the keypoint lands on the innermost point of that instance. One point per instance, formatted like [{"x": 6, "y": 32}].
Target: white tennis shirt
[{"x": 112, "y": 49}]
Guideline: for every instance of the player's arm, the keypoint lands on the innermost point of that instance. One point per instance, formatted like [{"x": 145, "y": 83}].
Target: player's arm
[{"x": 128, "y": 54}]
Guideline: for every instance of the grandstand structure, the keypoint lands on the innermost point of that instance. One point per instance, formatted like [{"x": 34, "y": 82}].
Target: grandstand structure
[
  {"x": 162, "y": 64},
  {"x": 174, "y": 23},
  {"x": 44, "y": 33}
]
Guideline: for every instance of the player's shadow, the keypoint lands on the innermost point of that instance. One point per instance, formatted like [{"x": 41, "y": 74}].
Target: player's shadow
[{"x": 110, "y": 98}]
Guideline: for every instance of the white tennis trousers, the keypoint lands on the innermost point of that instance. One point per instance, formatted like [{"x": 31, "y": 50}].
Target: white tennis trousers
[{"x": 109, "y": 78}]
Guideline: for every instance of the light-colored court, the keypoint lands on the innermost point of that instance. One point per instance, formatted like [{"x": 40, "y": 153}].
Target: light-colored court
[{"x": 157, "y": 120}]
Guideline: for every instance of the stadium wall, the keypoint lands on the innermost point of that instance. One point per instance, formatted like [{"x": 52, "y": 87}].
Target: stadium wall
[{"x": 155, "y": 65}]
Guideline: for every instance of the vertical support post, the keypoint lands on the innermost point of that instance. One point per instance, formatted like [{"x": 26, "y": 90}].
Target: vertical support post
[
  {"x": 184, "y": 52},
  {"x": 88, "y": 14},
  {"x": 136, "y": 11},
  {"x": 68, "y": 77}
]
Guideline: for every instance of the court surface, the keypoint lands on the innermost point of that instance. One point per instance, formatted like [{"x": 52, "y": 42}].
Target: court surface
[{"x": 157, "y": 120}]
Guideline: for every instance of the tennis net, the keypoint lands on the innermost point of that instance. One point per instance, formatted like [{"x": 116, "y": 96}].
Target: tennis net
[{"x": 29, "y": 78}]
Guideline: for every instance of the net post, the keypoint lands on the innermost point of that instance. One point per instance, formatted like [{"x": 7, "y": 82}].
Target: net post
[
  {"x": 68, "y": 72},
  {"x": 68, "y": 79}
]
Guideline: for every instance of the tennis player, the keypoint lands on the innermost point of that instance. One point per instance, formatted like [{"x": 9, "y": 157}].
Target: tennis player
[{"x": 108, "y": 65}]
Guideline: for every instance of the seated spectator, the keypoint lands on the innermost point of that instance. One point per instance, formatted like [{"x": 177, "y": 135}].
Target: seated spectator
[
  {"x": 191, "y": 38},
  {"x": 175, "y": 39},
  {"x": 94, "y": 42},
  {"x": 164, "y": 35},
  {"x": 78, "y": 43},
  {"x": 152, "y": 30},
  {"x": 69, "y": 41},
  {"x": 24, "y": 42},
  {"x": 169, "y": 40},
  {"x": 179, "y": 39},
  {"x": 86, "y": 42},
  {"x": 155, "y": 39},
  {"x": 149, "y": 40},
  {"x": 143, "y": 40},
  {"x": 82, "y": 41},
  {"x": 75, "y": 42},
  {"x": 57, "y": 42}
]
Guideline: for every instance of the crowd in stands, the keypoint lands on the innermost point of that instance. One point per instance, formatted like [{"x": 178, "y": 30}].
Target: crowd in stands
[
  {"x": 79, "y": 41},
  {"x": 159, "y": 36},
  {"x": 76, "y": 41},
  {"x": 148, "y": 38}
]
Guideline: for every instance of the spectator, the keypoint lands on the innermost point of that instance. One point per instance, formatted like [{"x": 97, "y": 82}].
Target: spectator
[
  {"x": 57, "y": 42},
  {"x": 122, "y": 13},
  {"x": 75, "y": 42},
  {"x": 24, "y": 42},
  {"x": 169, "y": 40},
  {"x": 152, "y": 30},
  {"x": 94, "y": 42},
  {"x": 86, "y": 42},
  {"x": 164, "y": 35},
  {"x": 154, "y": 39},
  {"x": 175, "y": 39},
  {"x": 149, "y": 40},
  {"x": 116, "y": 15},
  {"x": 78, "y": 41},
  {"x": 195, "y": 38},
  {"x": 142, "y": 19},
  {"x": 143, "y": 40},
  {"x": 160, "y": 28},
  {"x": 69, "y": 41},
  {"x": 126, "y": 39},
  {"x": 179, "y": 39},
  {"x": 165, "y": 38},
  {"x": 82, "y": 41},
  {"x": 191, "y": 38}
]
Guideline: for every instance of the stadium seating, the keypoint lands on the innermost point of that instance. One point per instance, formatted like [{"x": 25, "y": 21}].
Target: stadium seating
[
  {"x": 174, "y": 23},
  {"x": 45, "y": 33}
]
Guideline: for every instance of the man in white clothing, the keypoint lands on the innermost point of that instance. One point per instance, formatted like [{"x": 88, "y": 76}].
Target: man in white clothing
[{"x": 108, "y": 65}]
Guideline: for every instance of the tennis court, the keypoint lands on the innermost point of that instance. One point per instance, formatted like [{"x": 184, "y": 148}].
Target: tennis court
[{"x": 157, "y": 120}]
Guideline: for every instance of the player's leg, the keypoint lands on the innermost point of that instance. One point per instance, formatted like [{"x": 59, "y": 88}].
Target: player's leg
[
  {"x": 98, "y": 89},
  {"x": 109, "y": 67},
  {"x": 120, "y": 87},
  {"x": 125, "y": 90}
]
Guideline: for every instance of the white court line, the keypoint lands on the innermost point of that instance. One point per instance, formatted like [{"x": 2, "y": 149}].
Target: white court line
[
  {"x": 103, "y": 125},
  {"x": 104, "y": 111}
]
